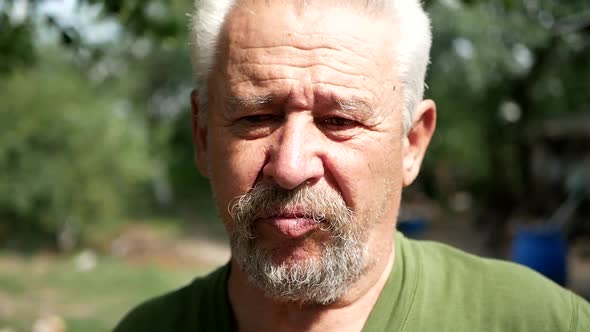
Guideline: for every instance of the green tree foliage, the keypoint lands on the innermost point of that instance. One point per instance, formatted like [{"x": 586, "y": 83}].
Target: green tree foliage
[
  {"x": 70, "y": 153},
  {"x": 16, "y": 43},
  {"x": 498, "y": 68}
]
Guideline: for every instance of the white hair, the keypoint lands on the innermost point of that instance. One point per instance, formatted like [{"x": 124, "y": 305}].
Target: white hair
[{"x": 412, "y": 58}]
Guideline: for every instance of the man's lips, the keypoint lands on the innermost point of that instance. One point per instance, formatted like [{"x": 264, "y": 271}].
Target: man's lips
[{"x": 291, "y": 225}]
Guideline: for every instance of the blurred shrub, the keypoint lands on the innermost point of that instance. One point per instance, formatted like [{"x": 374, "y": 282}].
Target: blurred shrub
[
  {"x": 16, "y": 44},
  {"x": 70, "y": 153}
]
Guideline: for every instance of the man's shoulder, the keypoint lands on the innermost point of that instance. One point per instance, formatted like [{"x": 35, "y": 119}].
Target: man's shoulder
[
  {"x": 497, "y": 275},
  {"x": 497, "y": 295},
  {"x": 180, "y": 309},
  {"x": 492, "y": 277},
  {"x": 156, "y": 313}
]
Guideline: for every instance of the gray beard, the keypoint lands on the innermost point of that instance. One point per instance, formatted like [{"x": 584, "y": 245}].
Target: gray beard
[{"x": 316, "y": 280}]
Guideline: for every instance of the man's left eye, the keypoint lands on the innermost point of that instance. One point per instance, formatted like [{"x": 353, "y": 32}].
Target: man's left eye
[{"x": 337, "y": 122}]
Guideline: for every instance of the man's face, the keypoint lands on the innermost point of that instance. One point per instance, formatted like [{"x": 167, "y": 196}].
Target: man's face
[{"x": 305, "y": 99}]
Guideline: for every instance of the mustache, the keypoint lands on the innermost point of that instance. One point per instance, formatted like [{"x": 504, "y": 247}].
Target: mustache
[{"x": 321, "y": 204}]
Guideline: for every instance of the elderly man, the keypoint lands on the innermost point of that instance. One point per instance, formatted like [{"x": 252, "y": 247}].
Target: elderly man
[{"x": 309, "y": 121}]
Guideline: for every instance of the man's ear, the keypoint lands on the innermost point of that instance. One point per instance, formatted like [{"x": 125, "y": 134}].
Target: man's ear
[
  {"x": 199, "y": 136},
  {"x": 417, "y": 140}
]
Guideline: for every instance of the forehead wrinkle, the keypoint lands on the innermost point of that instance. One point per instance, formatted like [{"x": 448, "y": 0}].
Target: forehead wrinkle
[
  {"x": 280, "y": 45},
  {"x": 298, "y": 56},
  {"x": 248, "y": 71},
  {"x": 245, "y": 82},
  {"x": 305, "y": 46},
  {"x": 278, "y": 62},
  {"x": 306, "y": 42}
]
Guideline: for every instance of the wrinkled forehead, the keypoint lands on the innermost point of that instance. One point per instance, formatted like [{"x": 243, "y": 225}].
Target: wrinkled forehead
[{"x": 351, "y": 24}]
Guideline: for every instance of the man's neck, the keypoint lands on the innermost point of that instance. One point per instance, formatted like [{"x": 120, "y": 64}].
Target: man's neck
[{"x": 256, "y": 312}]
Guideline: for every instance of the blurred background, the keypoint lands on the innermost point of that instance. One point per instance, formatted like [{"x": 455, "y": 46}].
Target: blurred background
[{"x": 101, "y": 206}]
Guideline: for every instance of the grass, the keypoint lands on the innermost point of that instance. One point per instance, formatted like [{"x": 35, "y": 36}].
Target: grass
[{"x": 88, "y": 301}]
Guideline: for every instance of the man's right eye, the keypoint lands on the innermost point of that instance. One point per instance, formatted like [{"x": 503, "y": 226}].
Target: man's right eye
[
  {"x": 255, "y": 125},
  {"x": 259, "y": 118}
]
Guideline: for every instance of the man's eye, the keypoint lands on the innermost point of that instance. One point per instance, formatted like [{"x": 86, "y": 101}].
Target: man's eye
[
  {"x": 338, "y": 123},
  {"x": 258, "y": 118}
]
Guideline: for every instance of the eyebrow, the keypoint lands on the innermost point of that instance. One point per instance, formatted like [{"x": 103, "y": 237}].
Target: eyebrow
[
  {"x": 353, "y": 104},
  {"x": 251, "y": 101},
  {"x": 345, "y": 104}
]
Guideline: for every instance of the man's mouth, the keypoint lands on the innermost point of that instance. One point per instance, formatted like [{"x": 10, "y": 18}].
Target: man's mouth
[{"x": 292, "y": 224}]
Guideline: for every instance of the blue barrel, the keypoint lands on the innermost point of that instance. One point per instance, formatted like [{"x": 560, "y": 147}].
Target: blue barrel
[
  {"x": 413, "y": 228},
  {"x": 543, "y": 249}
]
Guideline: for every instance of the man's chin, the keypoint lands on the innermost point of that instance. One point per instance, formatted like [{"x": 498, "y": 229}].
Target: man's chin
[
  {"x": 293, "y": 252},
  {"x": 314, "y": 269}
]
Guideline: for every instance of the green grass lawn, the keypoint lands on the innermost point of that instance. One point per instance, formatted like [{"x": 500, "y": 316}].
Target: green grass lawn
[{"x": 87, "y": 301}]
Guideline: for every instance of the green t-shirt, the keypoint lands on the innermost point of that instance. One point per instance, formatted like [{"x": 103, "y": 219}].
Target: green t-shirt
[{"x": 432, "y": 287}]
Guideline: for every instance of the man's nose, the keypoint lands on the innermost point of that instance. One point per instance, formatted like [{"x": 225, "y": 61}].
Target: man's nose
[{"x": 296, "y": 156}]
